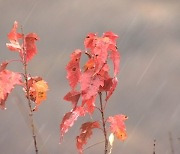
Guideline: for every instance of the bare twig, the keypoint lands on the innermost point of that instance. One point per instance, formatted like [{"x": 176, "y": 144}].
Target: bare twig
[
  {"x": 171, "y": 143},
  {"x": 154, "y": 147},
  {"x": 28, "y": 96},
  {"x": 104, "y": 124}
]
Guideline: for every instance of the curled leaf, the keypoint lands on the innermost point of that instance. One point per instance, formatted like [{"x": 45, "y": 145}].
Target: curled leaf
[
  {"x": 73, "y": 69},
  {"x": 69, "y": 119},
  {"x": 37, "y": 90},
  {"x": 73, "y": 97},
  {"x": 111, "y": 139},
  {"x": 14, "y": 37},
  {"x": 113, "y": 83},
  {"x": 30, "y": 46},
  {"x": 3, "y": 66},
  {"x": 86, "y": 132}
]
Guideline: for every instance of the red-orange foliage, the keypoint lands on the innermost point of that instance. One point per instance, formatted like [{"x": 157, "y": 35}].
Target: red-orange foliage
[
  {"x": 25, "y": 45},
  {"x": 93, "y": 79}
]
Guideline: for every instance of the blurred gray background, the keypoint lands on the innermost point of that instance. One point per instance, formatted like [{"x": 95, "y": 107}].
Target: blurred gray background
[{"x": 149, "y": 81}]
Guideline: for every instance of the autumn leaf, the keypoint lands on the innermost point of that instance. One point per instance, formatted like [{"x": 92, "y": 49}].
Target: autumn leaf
[
  {"x": 90, "y": 84},
  {"x": 89, "y": 105},
  {"x": 30, "y": 46},
  {"x": 117, "y": 126},
  {"x": 73, "y": 97},
  {"x": 73, "y": 68},
  {"x": 115, "y": 56},
  {"x": 40, "y": 89},
  {"x": 3, "y": 66},
  {"x": 112, "y": 36},
  {"x": 69, "y": 119},
  {"x": 88, "y": 43},
  {"x": 2, "y": 101},
  {"x": 8, "y": 80},
  {"x": 90, "y": 64},
  {"x": 112, "y": 88},
  {"x": 107, "y": 85},
  {"x": 14, "y": 37},
  {"x": 86, "y": 132}
]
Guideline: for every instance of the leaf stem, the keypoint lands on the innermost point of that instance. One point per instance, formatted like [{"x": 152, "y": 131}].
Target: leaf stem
[
  {"x": 28, "y": 95},
  {"x": 93, "y": 145},
  {"x": 104, "y": 124}
]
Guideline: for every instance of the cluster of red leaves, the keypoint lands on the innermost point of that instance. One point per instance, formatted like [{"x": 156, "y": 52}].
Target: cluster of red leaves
[
  {"x": 27, "y": 49},
  {"x": 8, "y": 80},
  {"x": 94, "y": 78},
  {"x": 25, "y": 45}
]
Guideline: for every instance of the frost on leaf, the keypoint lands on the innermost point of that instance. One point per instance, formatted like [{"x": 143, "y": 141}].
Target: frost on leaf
[
  {"x": 73, "y": 97},
  {"x": 117, "y": 126},
  {"x": 73, "y": 68},
  {"x": 69, "y": 119},
  {"x": 37, "y": 90},
  {"x": 8, "y": 80},
  {"x": 86, "y": 132},
  {"x": 30, "y": 46},
  {"x": 14, "y": 37}
]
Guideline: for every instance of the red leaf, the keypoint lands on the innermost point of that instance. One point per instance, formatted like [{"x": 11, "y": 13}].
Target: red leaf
[
  {"x": 115, "y": 56},
  {"x": 89, "y": 105},
  {"x": 88, "y": 43},
  {"x": 69, "y": 119},
  {"x": 111, "y": 36},
  {"x": 72, "y": 96},
  {"x": 30, "y": 46},
  {"x": 90, "y": 84},
  {"x": 37, "y": 90},
  {"x": 3, "y": 66},
  {"x": 73, "y": 69},
  {"x": 112, "y": 88},
  {"x": 117, "y": 126},
  {"x": 107, "y": 85},
  {"x": 2, "y": 102},
  {"x": 86, "y": 132},
  {"x": 8, "y": 80},
  {"x": 14, "y": 46},
  {"x": 13, "y": 37}
]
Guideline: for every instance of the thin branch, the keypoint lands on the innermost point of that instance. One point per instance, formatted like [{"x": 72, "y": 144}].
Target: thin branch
[
  {"x": 93, "y": 145},
  {"x": 88, "y": 54},
  {"x": 28, "y": 95},
  {"x": 171, "y": 143},
  {"x": 105, "y": 101},
  {"x": 154, "y": 147},
  {"x": 104, "y": 125}
]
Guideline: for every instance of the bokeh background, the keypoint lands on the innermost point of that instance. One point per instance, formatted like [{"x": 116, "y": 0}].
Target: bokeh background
[{"x": 149, "y": 81}]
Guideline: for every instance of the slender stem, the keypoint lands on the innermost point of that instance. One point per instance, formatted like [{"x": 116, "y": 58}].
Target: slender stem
[
  {"x": 93, "y": 145},
  {"x": 28, "y": 95},
  {"x": 104, "y": 124},
  {"x": 154, "y": 149},
  {"x": 171, "y": 143}
]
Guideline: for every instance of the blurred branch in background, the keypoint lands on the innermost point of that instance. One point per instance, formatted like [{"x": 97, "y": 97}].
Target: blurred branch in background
[{"x": 23, "y": 110}]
